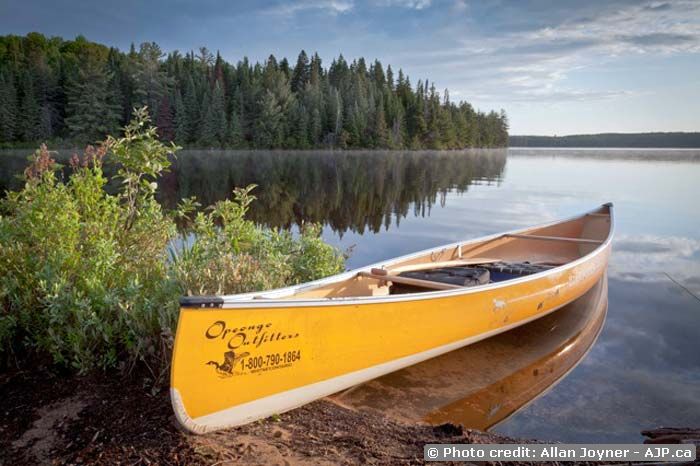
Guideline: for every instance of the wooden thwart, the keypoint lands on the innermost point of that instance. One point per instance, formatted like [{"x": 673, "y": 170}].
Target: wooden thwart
[
  {"x": 408, "y": 281},
  {"x": 554, "y": 238}
]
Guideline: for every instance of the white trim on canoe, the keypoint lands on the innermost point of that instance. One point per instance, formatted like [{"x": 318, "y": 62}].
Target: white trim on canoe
[
  {"x": 276, "y": 298},
  {"x": 292, "y": 399}
]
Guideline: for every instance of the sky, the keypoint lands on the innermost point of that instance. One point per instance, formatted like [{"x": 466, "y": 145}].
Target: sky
[{"x": 557, "y": 67}]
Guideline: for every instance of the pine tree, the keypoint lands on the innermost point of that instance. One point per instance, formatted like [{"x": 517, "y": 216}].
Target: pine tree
[
  {"x": 381, "y": 132},
  {"x": 8, "y": 107},
  {"x": 315, "y": 71},
  {"x": 165, "y": 121},
  {"x": 192, "y": 107},
  {"x": 119, "y": 85},
  {"x": 460, "y": 128},
  {"x": 334, "y": 111},
  {"x": 182, "y": 126},
  {"x": 418, "y": 128},
  {"x": 284, "y": 67},
  {"x": 356, "y": 123},
  {"x": 398, "y": 135},
  {"x": 150, "y": 81},
  {"x": 30, "y": 112},
  {"x": 316, "y": 129},
  {"x": 214, "y": 127},
  {"x": 390, "y": 78},
  {"x": 268, "y": 124},
  {"x": 302, "y": 129},
  {"x": 503, "y": 126},
  {"x": 45, "y": 122},
  {"x": 206, "y": 131},
  {"x": 377, "y": 72},
  {"x": 234, "y": 135},
  {"x": 433, "y": 139},
  {"x": 275, "y": 109},
  {"x": 205, "y": 58},
  {"x": 90, "y": 115},
  {"x": 218, "y": 113},
  {"x": 218, "y": 74},
  {"x": 300, "y": 75}
]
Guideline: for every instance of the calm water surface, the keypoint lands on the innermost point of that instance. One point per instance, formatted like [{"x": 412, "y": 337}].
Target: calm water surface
[{"x": 552, "y": 379}]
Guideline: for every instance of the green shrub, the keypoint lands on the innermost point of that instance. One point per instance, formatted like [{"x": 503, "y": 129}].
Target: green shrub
[
  {"x": 93, "y": 279},
  {"x": 222, "y": 252}
]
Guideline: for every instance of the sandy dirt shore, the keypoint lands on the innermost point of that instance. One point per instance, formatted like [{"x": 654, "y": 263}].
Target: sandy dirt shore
[{"x": 52, "y": 419}]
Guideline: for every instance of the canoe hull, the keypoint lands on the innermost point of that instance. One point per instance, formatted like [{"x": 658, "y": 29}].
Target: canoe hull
[{"x": 237, "y": 364}]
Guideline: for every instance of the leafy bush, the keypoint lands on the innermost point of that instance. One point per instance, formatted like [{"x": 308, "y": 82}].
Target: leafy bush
[
  {"x": 223, "y": 252},
  {"x": 93, "y": 279}
]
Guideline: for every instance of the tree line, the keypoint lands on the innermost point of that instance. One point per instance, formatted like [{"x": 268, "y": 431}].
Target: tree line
[
  {"x": 78, "y": 91},
  {"x": 636, "y": 140}
]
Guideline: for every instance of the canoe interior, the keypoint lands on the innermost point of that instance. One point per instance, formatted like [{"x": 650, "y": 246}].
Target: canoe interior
[{"x": 556, "y": 244}]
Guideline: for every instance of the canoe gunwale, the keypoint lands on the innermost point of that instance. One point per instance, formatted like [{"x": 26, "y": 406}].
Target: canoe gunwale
[{"x": 284, "y": 297}]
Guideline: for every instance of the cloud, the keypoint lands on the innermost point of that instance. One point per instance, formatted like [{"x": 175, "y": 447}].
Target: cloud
[
  {"x": 660, "y": 39},
  {"x": 648, "y": 258},
  {"x": 565, "y": 95},
  {"x": 412, "y": 4},
  {"x": 635, "y": 28},
  {"x": 524, "y": 53},
  {"x": 333, "y": 7},
  {"x": 658, "y": 6},
  {"x": 656, "y": 247}
]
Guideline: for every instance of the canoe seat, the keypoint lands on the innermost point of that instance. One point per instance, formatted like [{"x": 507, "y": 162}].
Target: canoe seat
[
  {"x": 468, "y": 276},
  {"x": 461, "y": 276},
  {"x": 501, "y": 271},
  {"x": 458, "y": 276}
]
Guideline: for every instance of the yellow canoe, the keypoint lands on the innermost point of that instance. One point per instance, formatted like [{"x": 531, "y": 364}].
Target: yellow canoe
[{"x": 244, "y": 357}]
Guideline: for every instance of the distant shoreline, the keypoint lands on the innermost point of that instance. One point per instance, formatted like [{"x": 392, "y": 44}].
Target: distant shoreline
[
  {"x": 62, "y": 153},
  {"x": 657, "y": 140},
  {"x": 613, "y": 148}
]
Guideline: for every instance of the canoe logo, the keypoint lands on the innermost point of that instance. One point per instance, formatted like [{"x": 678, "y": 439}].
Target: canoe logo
[
  {"x": 237, "y": 338},
  {"x": 225, "y": 369}
]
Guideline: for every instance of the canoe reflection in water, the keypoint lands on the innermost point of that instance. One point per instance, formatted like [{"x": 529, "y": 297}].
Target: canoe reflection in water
[{"x": 483, "y": 384}]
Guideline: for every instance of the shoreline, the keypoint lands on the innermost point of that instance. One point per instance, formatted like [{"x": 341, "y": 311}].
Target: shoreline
[
  {"x": 109, "y": 420},
  {"x": 101, "y": 419}
]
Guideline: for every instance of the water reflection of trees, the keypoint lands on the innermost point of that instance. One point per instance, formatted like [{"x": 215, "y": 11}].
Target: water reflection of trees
[{"x": 347, "y": 190}]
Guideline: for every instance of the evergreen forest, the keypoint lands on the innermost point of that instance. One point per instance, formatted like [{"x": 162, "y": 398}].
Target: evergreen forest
[{"x": 71, "y": 92}]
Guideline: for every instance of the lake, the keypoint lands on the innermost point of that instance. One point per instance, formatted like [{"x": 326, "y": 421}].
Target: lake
[{"x": 625, "y": 357}]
